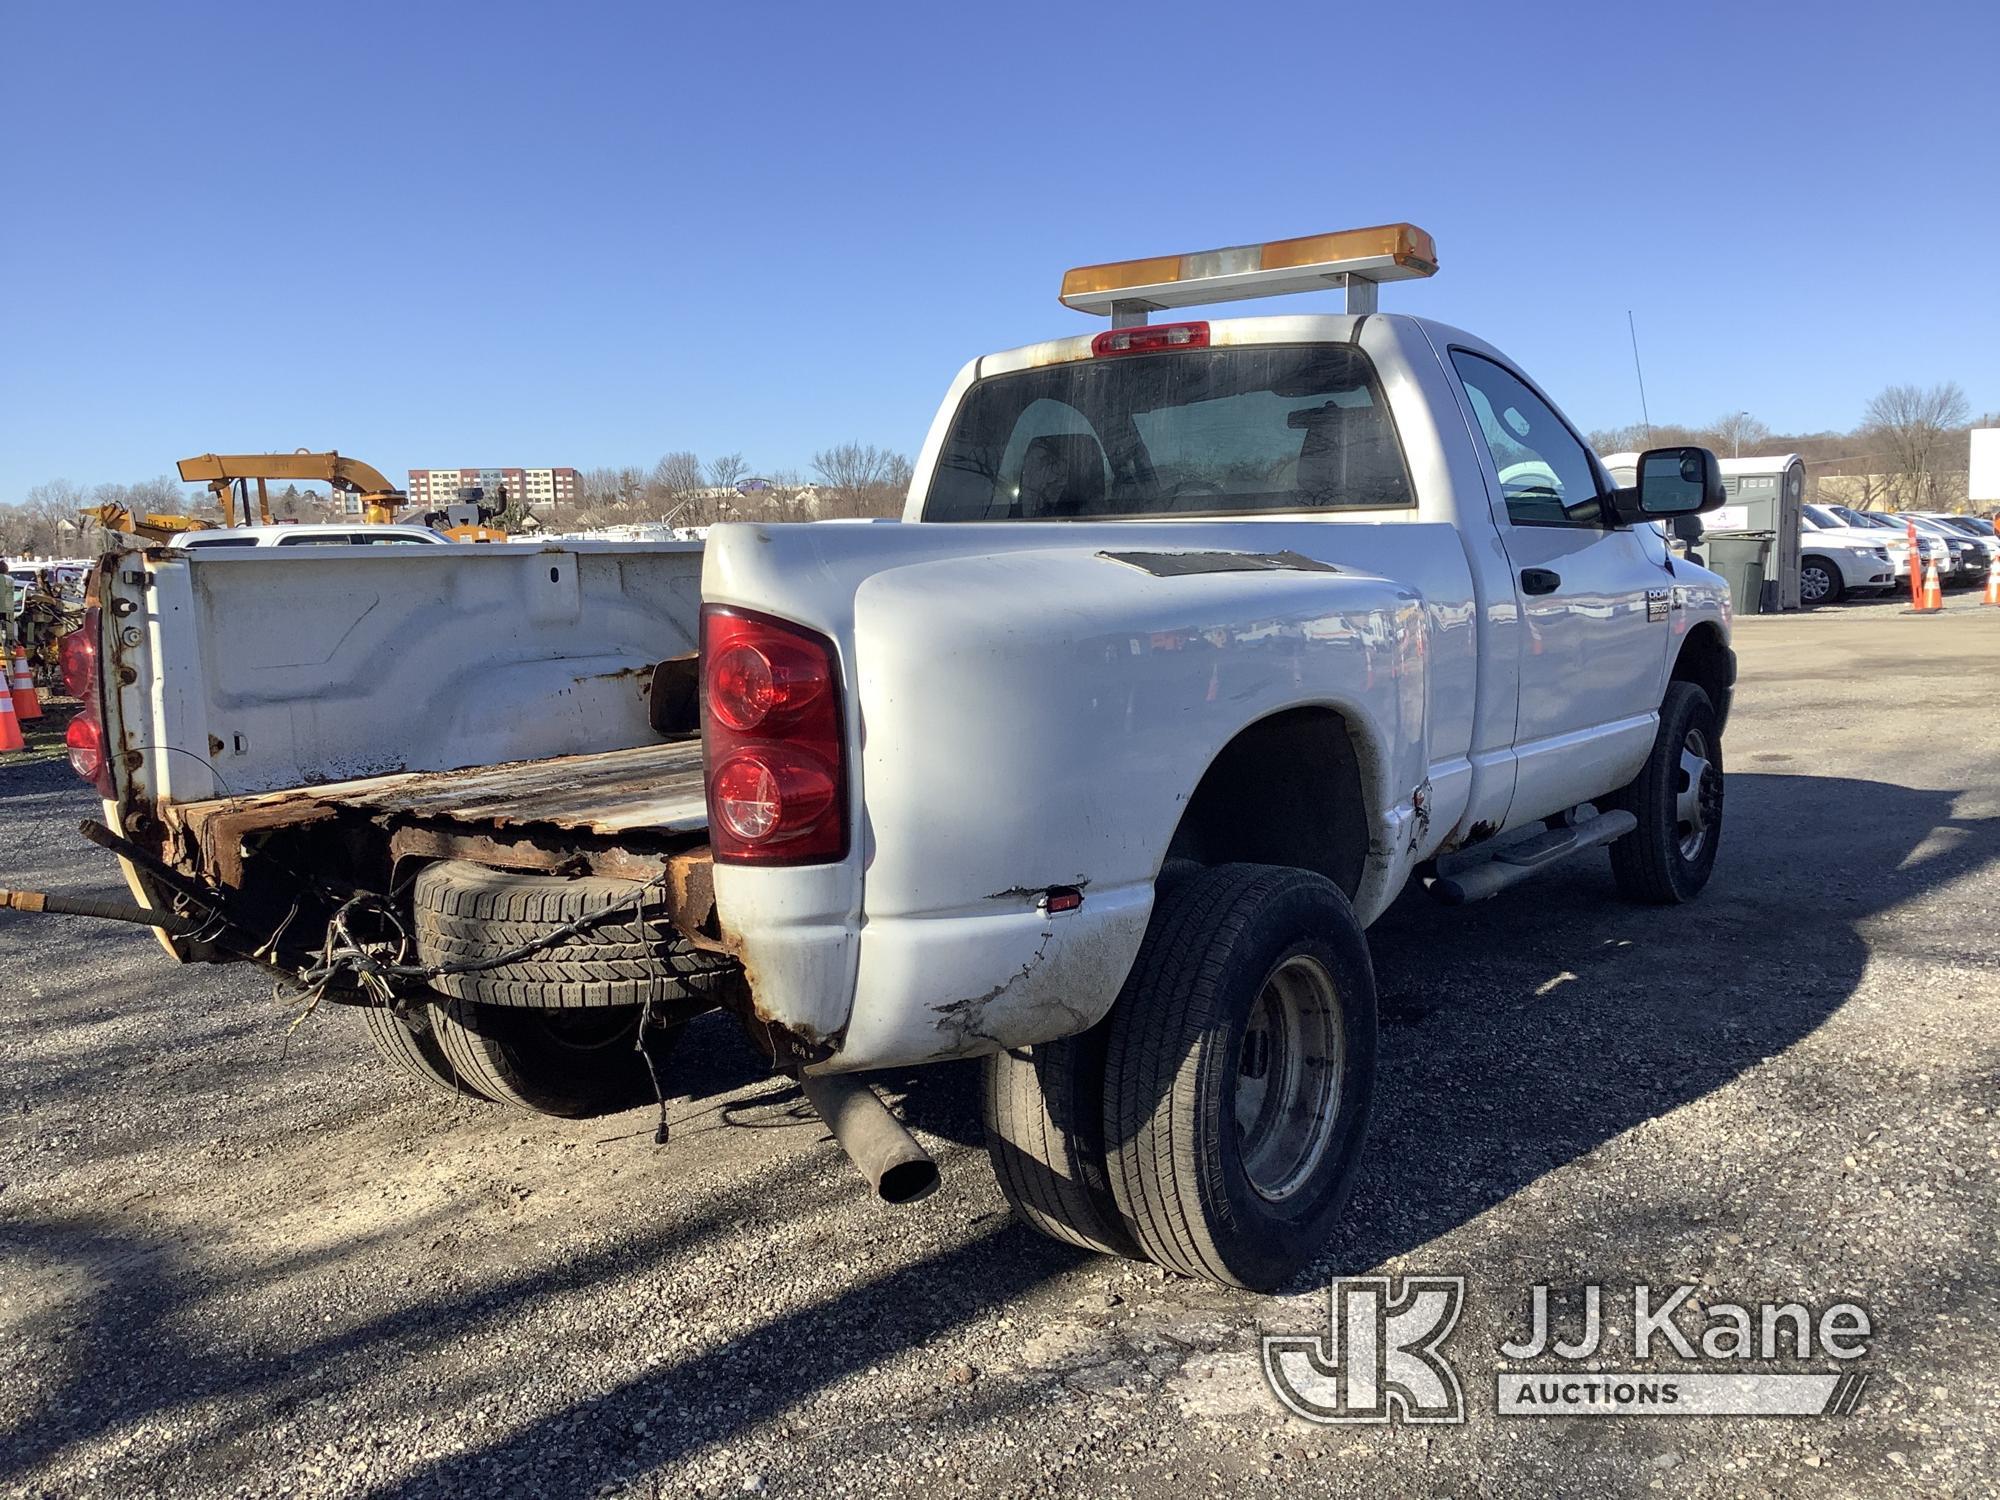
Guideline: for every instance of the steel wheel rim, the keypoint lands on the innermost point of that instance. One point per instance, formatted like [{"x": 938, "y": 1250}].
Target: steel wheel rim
[
  {"x": 1288, "y": 1079},
  {"x": 1695, "y": 802}
]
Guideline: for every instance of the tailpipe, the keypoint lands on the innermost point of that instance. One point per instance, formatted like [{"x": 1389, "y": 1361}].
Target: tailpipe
[{"x": 897, "y": 1168}]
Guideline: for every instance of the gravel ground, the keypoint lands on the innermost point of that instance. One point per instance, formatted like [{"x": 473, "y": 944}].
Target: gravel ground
[{"x": 242, "y": 1260}]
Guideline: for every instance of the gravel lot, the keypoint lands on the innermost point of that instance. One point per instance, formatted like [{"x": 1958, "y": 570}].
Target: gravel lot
[{"x": 240, "y": 1261}]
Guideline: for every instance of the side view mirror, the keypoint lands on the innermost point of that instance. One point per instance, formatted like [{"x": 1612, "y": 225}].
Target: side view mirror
[{"x": 1672, "y": 482}]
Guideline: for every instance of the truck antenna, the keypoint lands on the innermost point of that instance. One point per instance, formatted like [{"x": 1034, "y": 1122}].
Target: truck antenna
[{"x": 1645, "y": 416}]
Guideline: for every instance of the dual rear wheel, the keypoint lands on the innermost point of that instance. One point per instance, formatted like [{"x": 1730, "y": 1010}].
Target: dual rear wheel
[{"x": 1214, "y": 1122}]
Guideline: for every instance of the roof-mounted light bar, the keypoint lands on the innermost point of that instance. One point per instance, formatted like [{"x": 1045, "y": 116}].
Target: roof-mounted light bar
[{"x": 1126, "y": 290}]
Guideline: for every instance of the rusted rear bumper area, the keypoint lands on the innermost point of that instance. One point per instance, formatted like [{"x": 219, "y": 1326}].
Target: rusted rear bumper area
[
  {"x": 569, "y": 807},
  {"x": 636, "y": 814}
]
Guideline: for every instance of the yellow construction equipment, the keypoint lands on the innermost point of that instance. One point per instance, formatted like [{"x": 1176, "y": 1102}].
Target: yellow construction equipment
[
  {"x": 231, "y": 473},
  {"x": 153, "y": 527}
]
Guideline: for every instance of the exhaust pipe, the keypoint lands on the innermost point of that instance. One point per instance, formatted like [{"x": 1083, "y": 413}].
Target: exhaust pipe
[{"x": 897, "y": 1168}]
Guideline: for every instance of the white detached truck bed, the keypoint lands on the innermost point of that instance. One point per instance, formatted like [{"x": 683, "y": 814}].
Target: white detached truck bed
[{"x": 1199, "y": 641}]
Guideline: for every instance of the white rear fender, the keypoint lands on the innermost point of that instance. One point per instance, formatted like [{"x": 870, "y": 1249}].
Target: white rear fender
[{"x": 1039, "y": 718}]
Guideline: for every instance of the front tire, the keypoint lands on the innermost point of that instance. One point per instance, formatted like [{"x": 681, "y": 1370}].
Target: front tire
[
  {"x": 1240, "y": 1069},
  {"x": 570, "y": 1063},
  {"x": 1677, "y": 798},
  {"x": 1819, "y": 582}
]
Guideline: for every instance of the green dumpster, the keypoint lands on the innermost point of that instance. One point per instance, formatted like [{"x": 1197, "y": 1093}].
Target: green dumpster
[{"x": 1743, "y": 558}]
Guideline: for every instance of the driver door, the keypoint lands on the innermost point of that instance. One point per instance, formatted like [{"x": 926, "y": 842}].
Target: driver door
[{"x": 1594, "y": 599}]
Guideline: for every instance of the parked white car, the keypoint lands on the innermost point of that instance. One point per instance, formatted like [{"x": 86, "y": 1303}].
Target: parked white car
[
  {"x": 1832, "y": 565},
  {"x": 1873, "y": 529}
]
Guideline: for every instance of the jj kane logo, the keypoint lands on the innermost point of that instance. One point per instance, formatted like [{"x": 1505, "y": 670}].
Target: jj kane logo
[{"x": 1382, "y": 1356}]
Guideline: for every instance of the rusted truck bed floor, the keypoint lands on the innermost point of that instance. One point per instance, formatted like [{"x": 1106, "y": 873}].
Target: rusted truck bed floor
[{"x": 655, "y": 788}]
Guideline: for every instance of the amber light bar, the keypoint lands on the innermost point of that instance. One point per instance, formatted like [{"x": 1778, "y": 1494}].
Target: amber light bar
[{"x": 1354, "y": 258}]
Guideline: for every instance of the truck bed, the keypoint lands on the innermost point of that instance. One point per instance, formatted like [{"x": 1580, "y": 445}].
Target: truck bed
[{"x": 653, "y": 789}]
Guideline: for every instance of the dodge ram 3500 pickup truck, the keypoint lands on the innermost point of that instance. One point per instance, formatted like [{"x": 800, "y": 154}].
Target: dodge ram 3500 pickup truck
[{"x": 1197, "y": 641}]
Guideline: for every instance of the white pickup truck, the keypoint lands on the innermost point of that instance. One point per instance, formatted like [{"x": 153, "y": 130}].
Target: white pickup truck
[{"x": 1197, "y": 641}]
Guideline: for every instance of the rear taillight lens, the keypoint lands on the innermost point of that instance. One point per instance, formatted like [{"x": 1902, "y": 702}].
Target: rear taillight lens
[
  {"x": 762, "y": 685},
  {"x": 85, "y": 738},
  {"x": 77, "y": 656},
  {"x": 85, "y": 734},
  {"x": 770, "y": 719}
]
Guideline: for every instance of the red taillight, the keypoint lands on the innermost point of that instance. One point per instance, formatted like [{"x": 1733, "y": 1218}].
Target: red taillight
[
  {"x": 85, "y": 738},
  {"x": 770, "y": 711},
  {"x": 85, "y": 734},
  {"x": 1151, "y": 340},
  {"x": 772, "y": 679},
  {"x": 77, "y": 656}
]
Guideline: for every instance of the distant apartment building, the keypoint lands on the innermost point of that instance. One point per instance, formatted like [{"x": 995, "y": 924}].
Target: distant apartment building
[{"x": 545, "y": 490}]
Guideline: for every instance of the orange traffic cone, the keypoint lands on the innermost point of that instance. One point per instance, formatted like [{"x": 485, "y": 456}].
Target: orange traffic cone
[
  {"x": 27, "y": 702},
  {"x": 1933, "y": 594},
  {"x": 10, "y": 728},
  {"x": 1993, "y": 584}
]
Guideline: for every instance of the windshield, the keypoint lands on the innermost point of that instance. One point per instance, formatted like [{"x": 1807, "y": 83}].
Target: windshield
[
  {"x": 1863, "y": 518},
  {"x": 1190, "y": 432},
  {"x": 1825, "y": 516},
  {"x": 1929, "y": 527}
]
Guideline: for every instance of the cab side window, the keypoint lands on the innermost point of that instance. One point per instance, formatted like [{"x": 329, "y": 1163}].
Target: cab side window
[{"x": 1546, "y": 475}]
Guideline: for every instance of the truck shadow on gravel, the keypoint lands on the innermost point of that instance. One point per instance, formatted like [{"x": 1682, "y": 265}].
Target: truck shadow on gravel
[
  {"x": 1522, "y": 1034},
  {"x": 1519, "y": 1035}
]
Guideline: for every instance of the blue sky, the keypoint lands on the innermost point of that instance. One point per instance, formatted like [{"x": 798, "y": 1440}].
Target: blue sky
[{"x": 434, "y": 234}]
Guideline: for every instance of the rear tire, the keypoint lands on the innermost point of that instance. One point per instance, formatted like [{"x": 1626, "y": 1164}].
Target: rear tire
[
  {"x": 415, "y": 1054},
  {"x": 1677, "y": 798},
  {"x": 1045, "y": 1136},
  {"x": 1240, "y": 1070},
  {"x": 565, "y": 1063}
]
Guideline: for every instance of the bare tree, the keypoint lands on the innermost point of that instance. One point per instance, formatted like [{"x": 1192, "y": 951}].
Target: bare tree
[
  {"x": 609, "y": 492},
  {"x": 1637, "y": 438},
  {"x": 36, "y": 526},
  {"x": 862, "y": 480},
  {"x": 1912, "y": 426},
  {"x": 1728, "y": 436},
  {"x": 726, "y": 472},
  {"x": 677, "y": 474},
  {"x": 674, "y": 490}
]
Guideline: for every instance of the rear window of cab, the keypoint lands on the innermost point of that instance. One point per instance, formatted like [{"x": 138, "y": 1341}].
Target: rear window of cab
[{"x": 1241, "y": 430}]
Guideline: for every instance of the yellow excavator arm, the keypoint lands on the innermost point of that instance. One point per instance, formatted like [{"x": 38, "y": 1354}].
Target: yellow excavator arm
[
  {"x": 222, "y": 472},
  {"x": 153, "y": 527}
]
